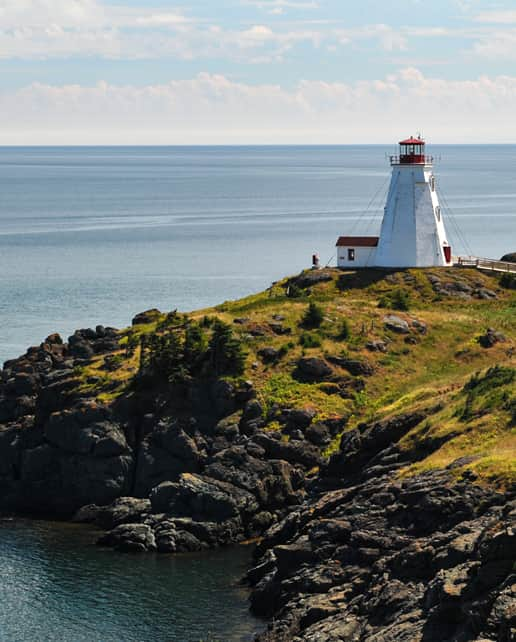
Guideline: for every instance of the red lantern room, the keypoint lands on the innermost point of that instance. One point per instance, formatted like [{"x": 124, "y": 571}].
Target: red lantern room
[{"x": 412, "y": 152}]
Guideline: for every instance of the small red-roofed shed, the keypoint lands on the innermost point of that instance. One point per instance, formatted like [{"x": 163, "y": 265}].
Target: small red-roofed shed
[{"x": 356, "y": 251}]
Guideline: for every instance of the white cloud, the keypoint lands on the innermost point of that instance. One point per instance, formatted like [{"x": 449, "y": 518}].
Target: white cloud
[
  {"x": 497, "y": 17},
  {"x": 497, "y": 45},
  {"x": 279, "y": 6},
  {"x": 215, "y": 109}
]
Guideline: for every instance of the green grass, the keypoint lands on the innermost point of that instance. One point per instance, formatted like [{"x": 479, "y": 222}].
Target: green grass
[{"x": 431, "y": 373}]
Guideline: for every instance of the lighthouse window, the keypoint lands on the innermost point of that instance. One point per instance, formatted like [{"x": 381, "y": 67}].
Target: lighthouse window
[
  {"x": 432, "y": 183},
  {"x": 351, "y": 254},
  {"x": 438, "y": 213}
]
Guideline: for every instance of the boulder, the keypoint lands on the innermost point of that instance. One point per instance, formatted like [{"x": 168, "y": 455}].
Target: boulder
[
  {"x": 300, "y": 418},
  {"x": 149, "y": 316},
  {"x": 396, "y": 324},
  {"x": 269, "y": 355},
  {"x": 295, "y": 452},
  {"x": 376, "y": 346},
  {"x": 280, "y": 329},
  {"x": 355, "y": 367},
  {"x": 163, "y": 456},
  {"x": 122, "y": 510},
  {"x": 313, "y": 369},
  {"x": 491, "y": 338},
  {"x": 69, "y": 432},
  {"x": 319, "y": 434},
  {"x": 203, "y": 499},
  {"x": 313, "y": 277},
  {"x": 130, "y": 538},
  {"x": 509, "y": 258}
]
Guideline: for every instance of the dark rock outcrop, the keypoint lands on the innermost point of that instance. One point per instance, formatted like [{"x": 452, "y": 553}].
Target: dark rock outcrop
[
  {"x": 312, "y": 369},
  {"x": 381, "y": 560}
]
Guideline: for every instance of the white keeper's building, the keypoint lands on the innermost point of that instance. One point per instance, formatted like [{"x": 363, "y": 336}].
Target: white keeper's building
[{"x": 412, "y": 232}]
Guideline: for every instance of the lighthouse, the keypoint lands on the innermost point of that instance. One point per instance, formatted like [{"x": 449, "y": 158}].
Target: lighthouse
[{"x": 412, "y": 232}]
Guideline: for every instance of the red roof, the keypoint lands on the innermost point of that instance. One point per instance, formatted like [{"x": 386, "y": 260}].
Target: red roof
[
  {"x": 357, "y": 241},
  {"x": 412, "y": 141}
]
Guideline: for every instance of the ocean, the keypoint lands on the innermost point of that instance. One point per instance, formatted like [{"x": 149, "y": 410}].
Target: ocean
[
  {"x": 56, "y": 586},
  {"x": 95, "y": 235}
]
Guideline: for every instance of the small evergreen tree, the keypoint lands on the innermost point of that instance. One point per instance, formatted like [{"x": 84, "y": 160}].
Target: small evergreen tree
[
  {"x": 195, "y": 347},
  {"x": 165, "y": 357},
  {"x": 401, "y": 300},
  {"x": 313, "y": 316},
  {"x": 225, "y": 351}
]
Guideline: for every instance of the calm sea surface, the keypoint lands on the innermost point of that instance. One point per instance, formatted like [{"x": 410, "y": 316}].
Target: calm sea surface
[
  {"x": 94, "y": 235},
  {"x": 56, "y": 586}
]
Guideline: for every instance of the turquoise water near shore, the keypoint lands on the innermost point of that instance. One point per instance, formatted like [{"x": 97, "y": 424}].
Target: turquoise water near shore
[
  {"x": 55, "y": 585},
  {"x": 94, "y": 235}
]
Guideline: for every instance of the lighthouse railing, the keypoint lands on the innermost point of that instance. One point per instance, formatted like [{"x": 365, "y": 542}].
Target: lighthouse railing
[
  {"x": 485, "y": 264},
  {"x": 412, "y": 159}
]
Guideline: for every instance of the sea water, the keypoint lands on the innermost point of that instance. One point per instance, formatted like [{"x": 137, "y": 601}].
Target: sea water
[{"x": 56, "y": 586}]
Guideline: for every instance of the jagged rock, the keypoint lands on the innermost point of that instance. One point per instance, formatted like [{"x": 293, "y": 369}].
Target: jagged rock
[
  {"x": 122, "y": 510},
  {"x": 77, "y": 431},
  {"x": 358, "y": 447},
  {"x": 485, "y": 293},
  {"x": 252, "y": 410},
  {"x": 300, "y": 418},
  {"x": 223, "y": 397},
  {"x": 149, "y": 316},
  {"x": 163, "y": 455},
  {"x": 310, "y": 278},
  {"x": 295, "y": 452},
  {"x": 319, "y": 434},
  {"x": 21, "y": 384},
  {"x": 54, "y": 339},
  {"x": 203, "y": 499},
  {"x": 130, "y": 538}
]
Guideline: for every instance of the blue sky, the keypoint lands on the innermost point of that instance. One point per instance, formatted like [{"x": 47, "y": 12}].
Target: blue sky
[{"x": 255, "y": 71}]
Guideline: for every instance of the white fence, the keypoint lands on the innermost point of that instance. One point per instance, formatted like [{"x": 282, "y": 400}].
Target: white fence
[{"x": 485, "y": 264}]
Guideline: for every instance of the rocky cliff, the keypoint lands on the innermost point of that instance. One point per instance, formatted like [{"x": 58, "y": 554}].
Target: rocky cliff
[{"x": 360, "y": 424}]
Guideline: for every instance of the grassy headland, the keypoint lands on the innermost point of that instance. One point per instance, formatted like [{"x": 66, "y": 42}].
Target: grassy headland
[{"x": 437, "y": 360}]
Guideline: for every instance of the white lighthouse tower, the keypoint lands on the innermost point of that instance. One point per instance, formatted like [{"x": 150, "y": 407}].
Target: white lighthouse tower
[{"x": 412, "y": 232}]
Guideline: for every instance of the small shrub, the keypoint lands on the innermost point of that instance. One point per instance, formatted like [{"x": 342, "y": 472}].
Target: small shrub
[
  {"x": 133, "y": 342},
  {"x": 345, "y": 330},
  {"x": 309, "y": 340},
  {"x": 172, "y": 319},
  {"x": 285, "y": 349},
  {"x": 398, "y": 299},
  {"x": 113, "y": 362},
  {"x": 508, "y": 281},
  {"x": 294, "y": 291},
  {"x": 313, "y": 316}
]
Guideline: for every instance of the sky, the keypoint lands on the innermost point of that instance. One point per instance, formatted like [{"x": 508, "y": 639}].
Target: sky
[{"x": 257, "y": 71}]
